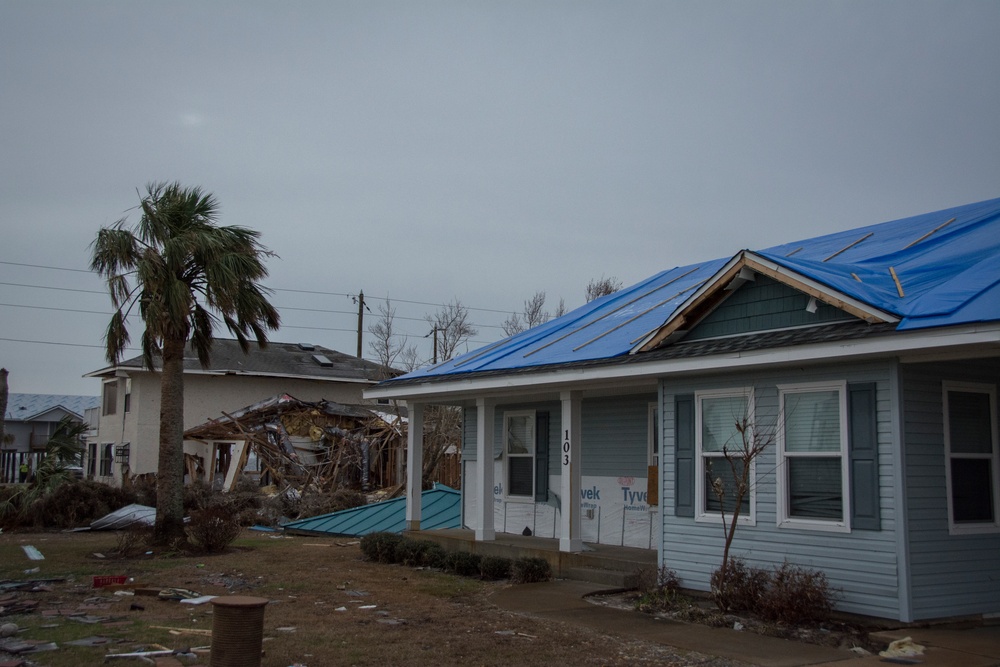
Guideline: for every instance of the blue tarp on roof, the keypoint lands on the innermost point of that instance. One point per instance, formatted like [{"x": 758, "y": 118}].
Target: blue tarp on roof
[
  {"x": 947, "y": 264},
  {"x": 440, "y": 508}
]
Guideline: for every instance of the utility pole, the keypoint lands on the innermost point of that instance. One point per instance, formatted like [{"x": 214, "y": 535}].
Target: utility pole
[
  {"x": 361, "y": 319},
  {"x": 434, "y": 332}
]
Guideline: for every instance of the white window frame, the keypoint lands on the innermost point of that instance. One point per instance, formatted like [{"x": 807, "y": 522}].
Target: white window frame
[
  {"x": 701, "y": 514},
  {"x": 507, "y": 417},
  {"x": 785, "y": 520},
  {"x": 109, "y": 404},
  {"x": 968, "y": 528},
  {"x": 106, "y": 466}
]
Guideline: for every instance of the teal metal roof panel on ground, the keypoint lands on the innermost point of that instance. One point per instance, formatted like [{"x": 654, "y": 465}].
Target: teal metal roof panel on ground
[
  {"x": 947, "y": 265},
  {"x": 440, "y": 508}
]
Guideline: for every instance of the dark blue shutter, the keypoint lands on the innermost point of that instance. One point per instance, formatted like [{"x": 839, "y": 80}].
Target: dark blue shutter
[
  {"x": 863, "y": 455},
  {"x": 684, "y": 455},
  {"x": 542, "y": 456}
]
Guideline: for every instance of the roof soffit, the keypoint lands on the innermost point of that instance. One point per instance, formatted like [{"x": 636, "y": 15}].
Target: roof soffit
[{"x": 716, "y": 290}]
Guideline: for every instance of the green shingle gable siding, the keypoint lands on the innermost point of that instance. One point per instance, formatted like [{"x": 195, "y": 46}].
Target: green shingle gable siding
[{"x": 761, "y": 305}]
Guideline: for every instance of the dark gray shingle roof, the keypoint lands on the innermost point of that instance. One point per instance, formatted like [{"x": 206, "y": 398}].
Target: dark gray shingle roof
[{"x": 278, "y": 359}]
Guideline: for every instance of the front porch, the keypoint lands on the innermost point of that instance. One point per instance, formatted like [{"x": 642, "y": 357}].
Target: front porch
[{"x": 612, "y": 566}]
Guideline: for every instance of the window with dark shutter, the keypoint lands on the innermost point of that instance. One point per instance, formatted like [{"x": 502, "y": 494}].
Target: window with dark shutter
[
  {"x": 863, "y": 446},
  {"x": 684, "y": 455},
  {"x": 519, "y": 454}
]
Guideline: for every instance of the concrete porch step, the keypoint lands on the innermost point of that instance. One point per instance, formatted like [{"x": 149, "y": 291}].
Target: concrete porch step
[{"x": 613, "y": 579}]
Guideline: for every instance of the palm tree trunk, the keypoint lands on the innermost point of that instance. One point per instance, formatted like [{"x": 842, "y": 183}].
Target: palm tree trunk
[{"x": 170, "y": 473}]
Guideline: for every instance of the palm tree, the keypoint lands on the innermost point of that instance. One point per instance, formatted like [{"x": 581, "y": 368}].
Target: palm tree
[{"x": 184, "y": 272}]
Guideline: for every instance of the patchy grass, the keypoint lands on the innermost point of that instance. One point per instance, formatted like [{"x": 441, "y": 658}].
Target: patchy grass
[{"x": 420, "y": 616}]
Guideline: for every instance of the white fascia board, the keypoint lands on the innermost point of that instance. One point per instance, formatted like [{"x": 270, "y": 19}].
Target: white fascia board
[
  {"x": 102, "y": 372},
  {"x": 891, "y": 345},
  {"x": 824, "y": 289}
]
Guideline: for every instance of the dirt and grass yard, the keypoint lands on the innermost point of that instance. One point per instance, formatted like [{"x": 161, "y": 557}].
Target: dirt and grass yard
[{"x": 326, "y": 607}]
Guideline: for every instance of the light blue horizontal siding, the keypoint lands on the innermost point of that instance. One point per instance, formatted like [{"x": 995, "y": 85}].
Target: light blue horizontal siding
[
  {"x": 951, "y": 575},
  {"x": 469, "y": 422},
  {"x": 614, "y": 435},
  {"x": 861, "y": 565}
]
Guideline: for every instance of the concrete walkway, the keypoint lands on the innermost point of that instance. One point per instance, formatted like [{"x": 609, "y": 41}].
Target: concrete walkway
[{"x": 563, "y": 600}]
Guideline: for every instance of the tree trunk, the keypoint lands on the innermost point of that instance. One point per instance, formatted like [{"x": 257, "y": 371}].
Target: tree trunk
[{"x": 170, "y": 472}]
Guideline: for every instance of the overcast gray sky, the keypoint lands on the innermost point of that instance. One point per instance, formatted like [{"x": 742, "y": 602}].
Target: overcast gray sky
[{"x": 479, "y": 151}]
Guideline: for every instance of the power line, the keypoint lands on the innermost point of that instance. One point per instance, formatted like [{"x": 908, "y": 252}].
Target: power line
[
  {"x": 273, "y": 289},
  {"x": 57, "y": 289},
  {"x": 289, "y": 326},
  {"x": 280, "y": 308},
  {"x": 40, "y": 266},
  {"x": 65, "y": 310},
  {"x": 52, "y": 342}
]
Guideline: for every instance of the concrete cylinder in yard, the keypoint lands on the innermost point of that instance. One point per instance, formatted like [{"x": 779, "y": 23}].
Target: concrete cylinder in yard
[{"x": 237, "y": 631}]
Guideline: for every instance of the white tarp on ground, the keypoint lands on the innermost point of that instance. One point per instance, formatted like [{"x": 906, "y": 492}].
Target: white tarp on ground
[{"x": 129, "y": 515}]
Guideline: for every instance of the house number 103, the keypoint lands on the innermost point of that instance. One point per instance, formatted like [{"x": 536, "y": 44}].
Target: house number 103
[{"x": 565, "y": 460}]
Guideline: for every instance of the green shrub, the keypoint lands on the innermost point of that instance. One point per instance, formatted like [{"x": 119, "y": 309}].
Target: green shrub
[
  {"x": 381, "y": 547},
  {"x": 529, "y": 570},
  {"x": 463, "y": 563},
  {"x": 212, "y": 529},
  {"x": 412, "y": 553},
  {"x": 71, "y": 504},
  {"x": 658, "y": 589},
  {"x": 493, "y": 568},
  {"x": 796, "y": 596},
  {"x": 743, "y": 589},
  {"x": 77, "y": 503},
  {"x": 434, "y": 556}
]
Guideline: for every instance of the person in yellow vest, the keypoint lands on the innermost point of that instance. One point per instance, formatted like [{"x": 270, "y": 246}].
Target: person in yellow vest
[{"x": 23, "y": 470}]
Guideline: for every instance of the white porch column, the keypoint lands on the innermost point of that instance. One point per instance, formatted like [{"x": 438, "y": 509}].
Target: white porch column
[
  {"x": 414, "y": 464},
  {"x": 485, "y": 413},
  {"x": 570, "y": 528}
]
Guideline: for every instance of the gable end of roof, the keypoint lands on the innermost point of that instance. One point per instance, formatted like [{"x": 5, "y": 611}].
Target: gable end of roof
[{"x": 743, "y": 267}]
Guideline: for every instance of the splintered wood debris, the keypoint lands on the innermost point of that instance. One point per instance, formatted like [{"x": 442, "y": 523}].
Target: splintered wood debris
[{"x": 299, "y": 444}]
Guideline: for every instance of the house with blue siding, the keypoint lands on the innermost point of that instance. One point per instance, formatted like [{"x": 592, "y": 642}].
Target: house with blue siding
[
  {"x": 864, "y": 363},
  {"x": 30, "y": 420}
]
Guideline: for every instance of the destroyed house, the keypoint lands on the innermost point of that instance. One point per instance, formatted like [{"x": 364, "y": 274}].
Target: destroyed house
[
  {"x": 867, "y": 361},
  {"x": 316, "y": 446},
  {"x": 128, "y": 431}
]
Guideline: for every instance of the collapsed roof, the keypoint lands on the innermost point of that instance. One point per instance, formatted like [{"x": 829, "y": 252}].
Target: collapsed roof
[{"x": 345, "y": 444}]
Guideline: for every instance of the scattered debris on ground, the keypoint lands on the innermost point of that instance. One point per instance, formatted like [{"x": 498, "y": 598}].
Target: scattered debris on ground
[{"x": 326, "y": 606}]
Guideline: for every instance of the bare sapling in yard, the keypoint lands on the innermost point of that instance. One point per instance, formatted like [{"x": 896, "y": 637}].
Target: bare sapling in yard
[{"x": 739, "y": 454}]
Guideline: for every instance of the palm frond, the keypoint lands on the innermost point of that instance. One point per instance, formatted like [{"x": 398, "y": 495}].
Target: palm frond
[{"x": 116, "y": 338}]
